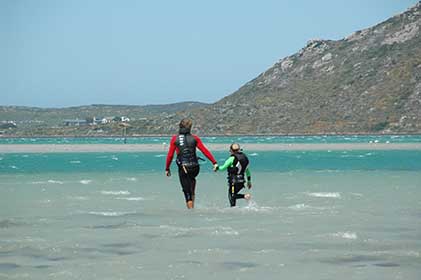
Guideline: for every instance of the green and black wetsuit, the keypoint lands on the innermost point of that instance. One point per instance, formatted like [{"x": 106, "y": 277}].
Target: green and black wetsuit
[{"x": 238, "y": 174}]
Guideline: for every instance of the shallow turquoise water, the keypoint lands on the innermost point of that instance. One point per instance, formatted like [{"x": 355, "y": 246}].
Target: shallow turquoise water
[
  {"x": 314, "y": 215},
  {"x": 271, "y": 161}
]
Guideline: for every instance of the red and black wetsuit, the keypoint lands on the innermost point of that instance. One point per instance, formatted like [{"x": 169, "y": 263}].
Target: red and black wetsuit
[{"x": 185, "y": 144}]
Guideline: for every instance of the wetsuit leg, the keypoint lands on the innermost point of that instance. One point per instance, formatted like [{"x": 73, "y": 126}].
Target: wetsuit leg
[
  {"x": 188, "y": 181},
  {"x": 193, "y": 189},
  {"x": 233, "y": 194}
]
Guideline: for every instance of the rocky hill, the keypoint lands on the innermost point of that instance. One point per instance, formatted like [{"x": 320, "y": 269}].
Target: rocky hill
[{"x": 368, "y": 82}]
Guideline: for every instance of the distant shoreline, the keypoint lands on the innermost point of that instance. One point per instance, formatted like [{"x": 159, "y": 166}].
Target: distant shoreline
[
  {"x": 248, "y": 147},
  {"x": 212, "y": 135}
]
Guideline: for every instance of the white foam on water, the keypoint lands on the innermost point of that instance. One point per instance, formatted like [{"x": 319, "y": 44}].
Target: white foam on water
[
  {"x": 85, "y": 182},
  {"x": 55, "y": 182},
  {"x": 61, "y": 274},
  {"x": 303, "y": 206},
  {"x": 325, "y": 194},
  {"x": 251, "y": 206},
  {"x": 345, "y": 235},
  {"x": 412, "y": 254},
  {"x": 171, "y": 230},
  {"x": 265, "y": 251},
  {"x": 160, "y": 156},
  {"x": 300, "y": 206},
  {"x": 131, "y": 179},
  {"x": 82, "y": 198},
  {"x": 328, "y": 171},
  {"x": 254, "y": 154},
  {"x": 74, "y": 161},
  {"x": 131, "y": 198},
  {"x": 38, "y": 182},
  {"x": 110, "y": 213},
  {"x": 357, "y": 194},
  {"x": 259, "y": 209},
  {"x": 353, "y": 156},
  {"x": 224, "y": 231},
  {"x": 115, "y": 192},
  {"x": 13, "y": 166},
  {"x": 114, "y": 158},
  {"x": 176, "y": 231}
]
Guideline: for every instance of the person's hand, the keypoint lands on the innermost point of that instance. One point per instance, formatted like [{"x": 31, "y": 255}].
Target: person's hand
[
  {"x": 168, "y": 173},
  {"x": 215, "y": 167},
  {"x": 249, "y": 184}
]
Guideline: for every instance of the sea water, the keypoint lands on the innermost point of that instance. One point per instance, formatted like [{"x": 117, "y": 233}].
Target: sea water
[{"x": 313, "y": 215}]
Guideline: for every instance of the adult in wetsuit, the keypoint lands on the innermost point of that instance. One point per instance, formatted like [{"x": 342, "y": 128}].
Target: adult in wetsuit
[
  {"x": 238, "y": 174},
  {"x": 185, "y": 144}
]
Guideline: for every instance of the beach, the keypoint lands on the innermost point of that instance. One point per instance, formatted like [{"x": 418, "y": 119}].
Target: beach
[{"x": 115, "y": 148}]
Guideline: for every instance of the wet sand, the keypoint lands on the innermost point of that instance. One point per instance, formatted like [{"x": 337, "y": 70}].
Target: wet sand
[{"x": 116, "y": 148}]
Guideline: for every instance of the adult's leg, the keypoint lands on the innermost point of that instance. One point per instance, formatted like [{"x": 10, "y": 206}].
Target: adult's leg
[
  {"x": 193, "y": 191},
  {"x": 186, "y": 183},
  {"x": 193, "y": 172}
]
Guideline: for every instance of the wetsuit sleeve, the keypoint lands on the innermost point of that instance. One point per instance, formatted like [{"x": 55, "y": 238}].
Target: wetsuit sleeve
[
  {"x": 227, "y": 163},
  {"x": 204, "y": 150},
  {"x": 248, "y": 174},
  {"x": 170, "y": 154}
]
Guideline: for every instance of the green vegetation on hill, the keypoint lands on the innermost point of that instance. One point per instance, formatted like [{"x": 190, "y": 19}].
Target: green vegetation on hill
[{"x": 32, "y": 121}]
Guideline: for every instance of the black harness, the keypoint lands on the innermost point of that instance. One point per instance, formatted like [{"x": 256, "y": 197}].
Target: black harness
[
  {"x": 186, "y": 144},
  {"x": 236, "y": 172}
]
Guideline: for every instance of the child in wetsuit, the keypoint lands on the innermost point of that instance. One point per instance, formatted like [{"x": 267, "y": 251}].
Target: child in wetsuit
[{"x": 238, "y": 174}]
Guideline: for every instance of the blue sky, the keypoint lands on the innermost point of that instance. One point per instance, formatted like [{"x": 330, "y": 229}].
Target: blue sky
[{"x": 66, "y": 53}]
